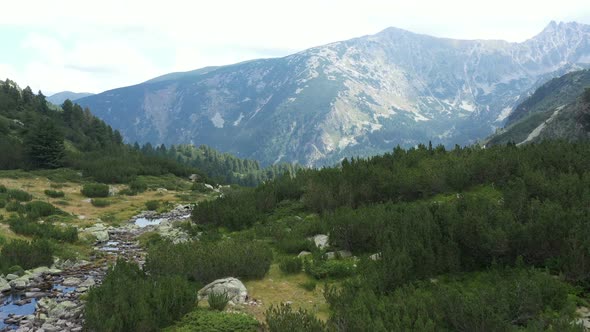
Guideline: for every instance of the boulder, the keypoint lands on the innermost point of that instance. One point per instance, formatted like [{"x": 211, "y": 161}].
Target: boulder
[
  {"x": 20, "y": 283},
  {"x": 233, "y": 287},
  {"x": 71, "y": 281},
  {"x": 88, "y": 282},
  {"x": 375, "y": 257},
  {"x": 11, "y": 277},
  {"x": 338, "y": 254},
  {"x": 304, "y": 253},
  {"x": 320, "y": 240},
  {"x": 99, "y": 231}
]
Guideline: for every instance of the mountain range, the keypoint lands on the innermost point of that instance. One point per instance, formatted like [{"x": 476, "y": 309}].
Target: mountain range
[
  {"x": 559, "y": 109},
  {"x": 60, "y": 97},
  {"x": 351, "y": 98}
]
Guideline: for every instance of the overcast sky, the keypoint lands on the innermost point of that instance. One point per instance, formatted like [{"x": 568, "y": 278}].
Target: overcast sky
[{"x": 92, "y": 46}]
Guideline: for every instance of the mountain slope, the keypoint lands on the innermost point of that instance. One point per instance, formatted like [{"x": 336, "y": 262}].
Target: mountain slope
[
  {"x": 557, "y": 109},
  {"x": 60, "y": 97},
  {"x": 356, "y": 97}
]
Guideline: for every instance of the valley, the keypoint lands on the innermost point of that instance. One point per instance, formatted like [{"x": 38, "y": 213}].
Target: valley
[{"x": 395, "y": 181}]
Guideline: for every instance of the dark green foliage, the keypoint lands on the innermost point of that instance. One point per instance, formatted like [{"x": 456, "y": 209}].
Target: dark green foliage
[
  {"x": 30, "y": 227},
  {"x": 17, "y": 270},
  {"x": 215, "y": 321},
  {"x": 218, "y": 300},
  {"x": 26, "y": 254},
  {"x": 200, "y": 187},
  {"x": 129, "y": 300},
  {"x": 138, "y": 186},
  {"x": 152, "y": 205},
  {"x": 235, "y": 210},
  {"x": 498, "y": 300},
  {"x": 37, "y": 209},
  {"x": 2, "y": 203},
  {"x": 19, "y": 195},
  {"x": 291, "y": 265},
  {"x": 54, "y": 193},
  {"x": 13, "y": 206},
  {"x": 45, "y": 145},
  {"x": 95, "y": 190},
  {"x": 98, "y": 202},
  {"x": 321, "y": 269},
  {"x": 206, "y": 261},
  {"x": 284, "y": 318},
  {"x": 3, "y": 189}
]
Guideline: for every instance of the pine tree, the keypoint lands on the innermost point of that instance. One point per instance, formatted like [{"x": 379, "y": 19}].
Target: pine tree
[{"x": 45, "y": 145}]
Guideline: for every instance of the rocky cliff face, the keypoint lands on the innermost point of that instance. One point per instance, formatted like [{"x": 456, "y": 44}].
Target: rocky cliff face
[{"x": 355, "y": 97}]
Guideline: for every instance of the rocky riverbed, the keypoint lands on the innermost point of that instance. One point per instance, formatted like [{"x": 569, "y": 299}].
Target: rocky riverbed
[{"x": 49, "y": 299}]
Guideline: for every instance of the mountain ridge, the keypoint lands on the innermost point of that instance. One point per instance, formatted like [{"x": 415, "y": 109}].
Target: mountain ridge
[{"x": 355, "y": 97}]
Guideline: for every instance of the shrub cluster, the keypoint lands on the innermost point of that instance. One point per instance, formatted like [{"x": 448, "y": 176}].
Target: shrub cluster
[
  {"x": 129, "y": 300},
  {"x": 215, "y": 321},
  {"x": 54, "y": 193},
  {"x": 291, "y": 265},
  {"x": 95, "y": 190},
  {"x": 206, "y": 261},
  {"x": 99, "y": 202},
  {"x": 283, "y": 318},
  {"x": 152, "y": 205},
  {"x": 26, "y": 254},
  {"x": 30, "y": 227},
  {"x": 19, "y": 195}
]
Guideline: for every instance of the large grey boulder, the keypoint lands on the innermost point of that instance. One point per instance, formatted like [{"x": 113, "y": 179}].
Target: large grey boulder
[
  {"x": 71, "y": 281},
  {"x": 99, "y": 231},
  {"x": 11, "y": 277},
  {"x": 233, "y": 287},
  {"x": 20, "y": 283}
]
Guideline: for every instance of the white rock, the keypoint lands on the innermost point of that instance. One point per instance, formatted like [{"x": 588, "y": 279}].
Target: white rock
[
  {"x": 233, "y": 287},
  {"x": 320, "y": 240}
]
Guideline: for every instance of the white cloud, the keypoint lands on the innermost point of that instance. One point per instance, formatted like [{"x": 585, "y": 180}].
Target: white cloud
[{"x": 84, "y": 45}]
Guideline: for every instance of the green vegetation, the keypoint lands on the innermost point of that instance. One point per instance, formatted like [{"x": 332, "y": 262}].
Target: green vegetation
[
  {"x": 19, "y": 195},
  {"x": 98, "y": 202},
  {"x": 284, "y": 318},
  {"x": 54, "y": 193},
  {"x": 204, "y": 262},
  {"x": 26, "y": 254},
  {"x": 152, "y": 205},
  {"x": 129, "y": 300},
  {"x": 218, "y": 300},
  {"x": 467, "y": 239},
  {"x": 215, "y": 321},
  {"x": 95, "y": 190},
  {"x": 291, "y": 265}
]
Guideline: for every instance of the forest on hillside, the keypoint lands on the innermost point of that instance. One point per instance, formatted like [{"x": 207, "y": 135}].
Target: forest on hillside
[{"x": 37, "y": 135}]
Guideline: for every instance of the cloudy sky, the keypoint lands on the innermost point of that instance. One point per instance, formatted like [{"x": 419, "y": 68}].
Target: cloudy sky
[{"x": 94, "y": 46}]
